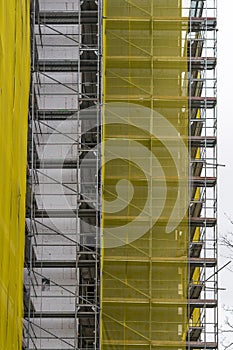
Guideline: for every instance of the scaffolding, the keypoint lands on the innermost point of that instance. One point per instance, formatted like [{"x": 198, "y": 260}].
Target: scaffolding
[
  {"x": 135, "y": 287},
  {"x": 203, "y": 285},
  {"x": 62, "y": 271}
]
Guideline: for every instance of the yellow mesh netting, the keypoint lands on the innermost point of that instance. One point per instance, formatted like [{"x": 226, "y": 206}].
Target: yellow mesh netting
[
  {"x": 145, "y": 223},
  {"x": 14, "y": 92}
]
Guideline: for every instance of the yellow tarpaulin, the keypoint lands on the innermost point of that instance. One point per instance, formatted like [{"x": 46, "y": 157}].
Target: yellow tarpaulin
[
  {"x": 14, "y": 93},
  {"x": 144, "y": 287}
]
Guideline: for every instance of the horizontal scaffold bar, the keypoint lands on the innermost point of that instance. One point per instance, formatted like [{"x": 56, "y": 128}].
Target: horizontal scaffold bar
[
  {"x": 48, "y": 264},
  {"x": 61, "y": 314},
  {"x": 68, "y": 65},
  {"x": 162, "y": 23},
  {"x": 160, "y": 62},
  {"x": 161, "y": 344},
  {"x": 67, "y": 17},
  {"x": 167, "y": 101},
  {"x": 196, "y": 181},
  {"x": 90, "y": 65},
  {"x": 195, "y": 262},
  {"x": 68, "y": 114}
]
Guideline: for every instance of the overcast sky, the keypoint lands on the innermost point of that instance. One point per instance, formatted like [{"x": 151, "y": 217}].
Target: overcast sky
[{"x": 225, "y": 140}]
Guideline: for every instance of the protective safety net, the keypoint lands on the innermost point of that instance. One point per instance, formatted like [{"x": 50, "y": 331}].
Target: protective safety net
[
  {"x": 14, "y": 93},
  {"x": 145, "y": 177}
]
